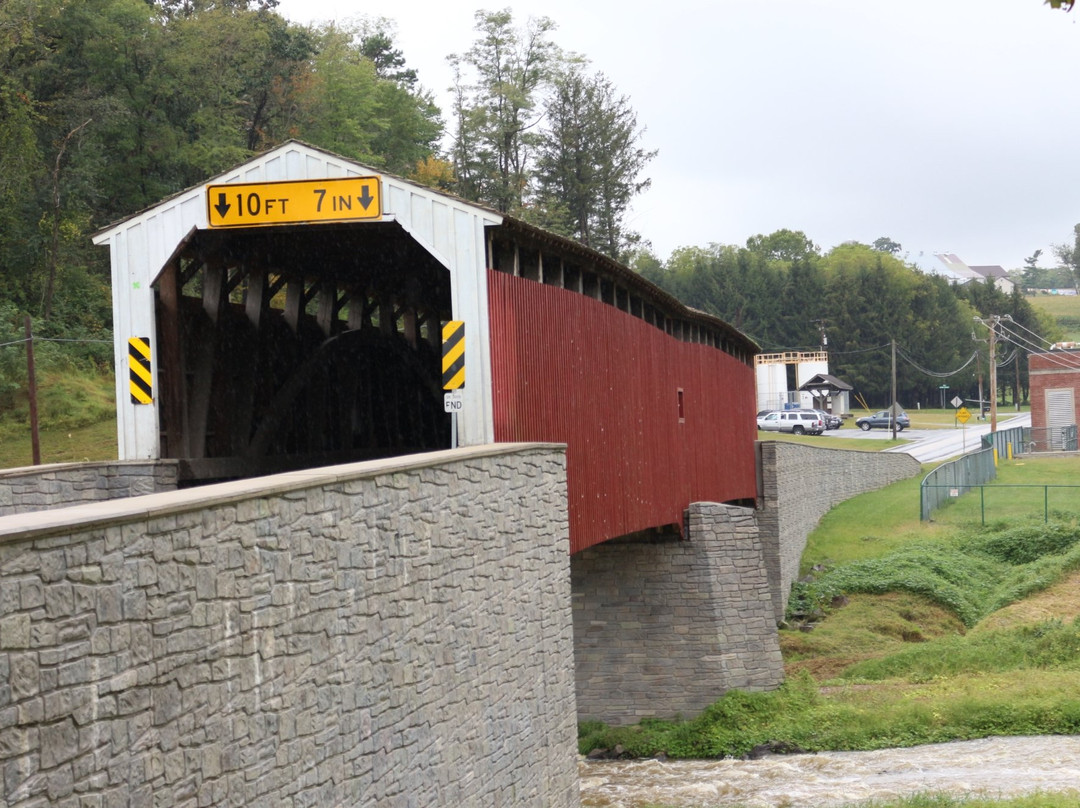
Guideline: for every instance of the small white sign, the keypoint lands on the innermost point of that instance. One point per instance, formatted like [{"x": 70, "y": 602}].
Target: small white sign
[
  {"x": 454, "y": 401},
  {"x": 957, "y": 401}
]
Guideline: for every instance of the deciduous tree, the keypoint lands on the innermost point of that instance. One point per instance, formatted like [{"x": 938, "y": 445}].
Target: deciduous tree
[
  {"x": 1069, "y": 255},
  {"x": 497, "y": 118}
]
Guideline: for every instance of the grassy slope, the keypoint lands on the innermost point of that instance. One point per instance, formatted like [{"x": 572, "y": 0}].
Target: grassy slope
[
  {"x": 76, "y": 422},
  {"x": 1066, "y": 310},
  {"x": 900, "y": 668},
  {"x": 78, "y": 444}
]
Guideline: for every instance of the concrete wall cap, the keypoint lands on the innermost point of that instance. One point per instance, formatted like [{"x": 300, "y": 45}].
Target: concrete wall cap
[{"x": 150, "y": 506}]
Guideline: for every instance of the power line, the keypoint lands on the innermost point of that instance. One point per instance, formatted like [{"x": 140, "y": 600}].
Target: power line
[
  {"x": 862, "y": 350},
  {"x": 80, "y": 341},
  {"x": 57, "y": 339},
  {"x": 1063, "y": 360},
  {"x": 935, "y": 374}
]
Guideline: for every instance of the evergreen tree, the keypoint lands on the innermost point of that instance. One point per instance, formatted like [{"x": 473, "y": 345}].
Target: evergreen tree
[{"x": 589, "y": 162}]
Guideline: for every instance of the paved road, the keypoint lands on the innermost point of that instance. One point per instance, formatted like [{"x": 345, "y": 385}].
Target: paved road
[{"x": 932, "y": 445}]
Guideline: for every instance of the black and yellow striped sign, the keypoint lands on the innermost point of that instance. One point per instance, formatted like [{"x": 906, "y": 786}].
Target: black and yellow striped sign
[
  {"x": 142, "y": 382},
  {"x": 453, "y": 355}
]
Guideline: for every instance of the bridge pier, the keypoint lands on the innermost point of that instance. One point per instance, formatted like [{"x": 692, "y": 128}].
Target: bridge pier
[{"x": 664, "y": 626}]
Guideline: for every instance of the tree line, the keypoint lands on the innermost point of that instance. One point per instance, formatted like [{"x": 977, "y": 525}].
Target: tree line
[
  {"x": 108, "y": 106},
  {"x": 789, "y": 295}
]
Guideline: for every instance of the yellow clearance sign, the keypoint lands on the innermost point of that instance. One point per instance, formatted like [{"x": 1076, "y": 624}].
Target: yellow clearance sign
[{"x": 297, "y": 202}]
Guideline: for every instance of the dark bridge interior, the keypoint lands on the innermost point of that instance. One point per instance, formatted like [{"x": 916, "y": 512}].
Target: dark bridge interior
[{"x": 295, "y": 347}]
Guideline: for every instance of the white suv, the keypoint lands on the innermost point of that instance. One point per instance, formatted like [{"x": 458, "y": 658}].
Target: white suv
[{"x": 797, "y": 422}]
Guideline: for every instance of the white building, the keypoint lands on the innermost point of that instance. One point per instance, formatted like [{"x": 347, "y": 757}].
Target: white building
[
  {"x": 780, "y": 375},
  {"x": 952, "y": 267}
]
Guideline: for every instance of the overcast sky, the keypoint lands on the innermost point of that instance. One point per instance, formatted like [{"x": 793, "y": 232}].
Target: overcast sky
[{"x": 946, "y": 125}]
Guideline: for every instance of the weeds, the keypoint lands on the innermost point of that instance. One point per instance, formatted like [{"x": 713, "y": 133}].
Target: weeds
[
  {"x": 972, "y": 575},
  {"x": 901, "y": 669}
]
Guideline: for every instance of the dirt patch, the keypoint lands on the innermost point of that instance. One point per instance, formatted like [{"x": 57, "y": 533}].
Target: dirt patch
[
  {"x": 1060, "y": 602},
  {"x": 869, "y": 626},
  {"x": 824, "y": 668}
]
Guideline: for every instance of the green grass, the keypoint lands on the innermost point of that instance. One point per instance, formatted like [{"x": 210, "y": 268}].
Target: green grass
[
  {"x": 834, "y": 441},
  {"x": 1038, "y": 800},
  {"x": 897, "y": 654},
  {"x": 1065, "y": 309},
  {"x": 877, "y": 523},
  {"x": 868, "y": 526},
  {"x": 75, "y": 445},
  {"x": 800, "y": 715},
  {"x": 971, "y": 574},
  {"x": 76, "y": 421},
  {"x": 1000, "y": 503},
  {"x": 1056, "y": 305},
  {"x": 1045, "y": 646}
]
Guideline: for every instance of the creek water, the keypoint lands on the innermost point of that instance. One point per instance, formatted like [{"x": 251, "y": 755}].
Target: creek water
[{"x": 988, "y": 767}]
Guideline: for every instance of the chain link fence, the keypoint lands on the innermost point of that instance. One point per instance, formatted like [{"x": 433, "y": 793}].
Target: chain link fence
[
  {"x": 950, "y": 480},
  {"x": 976, "y": 469},
  {"x": 1050, "y": 439}
]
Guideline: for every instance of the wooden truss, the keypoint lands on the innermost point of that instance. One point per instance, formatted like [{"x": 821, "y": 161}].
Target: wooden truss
[{"x": 293, "y": 347}]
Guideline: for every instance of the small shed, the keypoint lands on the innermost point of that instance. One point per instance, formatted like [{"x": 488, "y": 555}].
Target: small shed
[{"x": 829, "y": 393}]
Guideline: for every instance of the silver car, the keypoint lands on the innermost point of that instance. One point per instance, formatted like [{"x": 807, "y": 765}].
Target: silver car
[{"x": 797, "y": 422}]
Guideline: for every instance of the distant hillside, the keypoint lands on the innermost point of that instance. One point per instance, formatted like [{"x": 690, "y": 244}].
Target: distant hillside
[{"x": 1065, "y": 309}]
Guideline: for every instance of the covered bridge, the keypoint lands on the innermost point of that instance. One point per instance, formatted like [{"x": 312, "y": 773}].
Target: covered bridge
[{"x": 288, "y": 314}]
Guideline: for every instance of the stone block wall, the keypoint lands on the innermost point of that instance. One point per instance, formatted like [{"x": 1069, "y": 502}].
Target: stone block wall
[
  {"x": 665, "y": 627},
  {"x": 61, "y": 485},
  {"x": 394, "y": 633},
  {"x": 798, "y": 485}
]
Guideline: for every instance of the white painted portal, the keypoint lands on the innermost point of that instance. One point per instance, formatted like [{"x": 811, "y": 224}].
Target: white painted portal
[{"x": 449, "y": 228}]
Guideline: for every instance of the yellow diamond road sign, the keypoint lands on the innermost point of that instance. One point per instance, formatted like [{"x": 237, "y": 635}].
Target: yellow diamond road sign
[
  {"x": 963, "y": 415},
  {"x": 297, "y": 202}
]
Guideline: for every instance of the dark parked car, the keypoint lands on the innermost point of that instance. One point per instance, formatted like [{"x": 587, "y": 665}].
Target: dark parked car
[
  {"x": 831, "y": 421},
  {"x": 882, "y": 420}
]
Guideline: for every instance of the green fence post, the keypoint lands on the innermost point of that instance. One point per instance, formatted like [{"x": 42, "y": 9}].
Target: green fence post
[
  {"x": 982, "y": 503},
  {"x": 1046, "y": 504}
]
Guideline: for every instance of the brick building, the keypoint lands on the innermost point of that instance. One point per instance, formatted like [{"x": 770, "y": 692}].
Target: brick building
[{"x": 1055, "y": 395}]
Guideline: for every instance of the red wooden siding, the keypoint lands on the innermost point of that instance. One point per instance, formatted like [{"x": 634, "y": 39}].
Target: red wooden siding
[{"x": 570, "y": 369}]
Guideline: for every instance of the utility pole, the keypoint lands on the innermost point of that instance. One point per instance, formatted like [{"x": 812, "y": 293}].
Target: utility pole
[
  {"x": 1016, "y": 392},
  {"x": 992, "y": 323},
  {"x": 993, "y": 374},
  {"x": 824, "y": 336},
  {"x": 31, "y": 386},
  {"x": 892, "y": 409}
]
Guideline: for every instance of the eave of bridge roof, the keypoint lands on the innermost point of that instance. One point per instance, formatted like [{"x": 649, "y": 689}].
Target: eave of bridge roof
[{"x": 631, "y": 280}]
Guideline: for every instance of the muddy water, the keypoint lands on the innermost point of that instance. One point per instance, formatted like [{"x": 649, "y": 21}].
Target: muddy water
[{"x": 991, "y": 767}]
